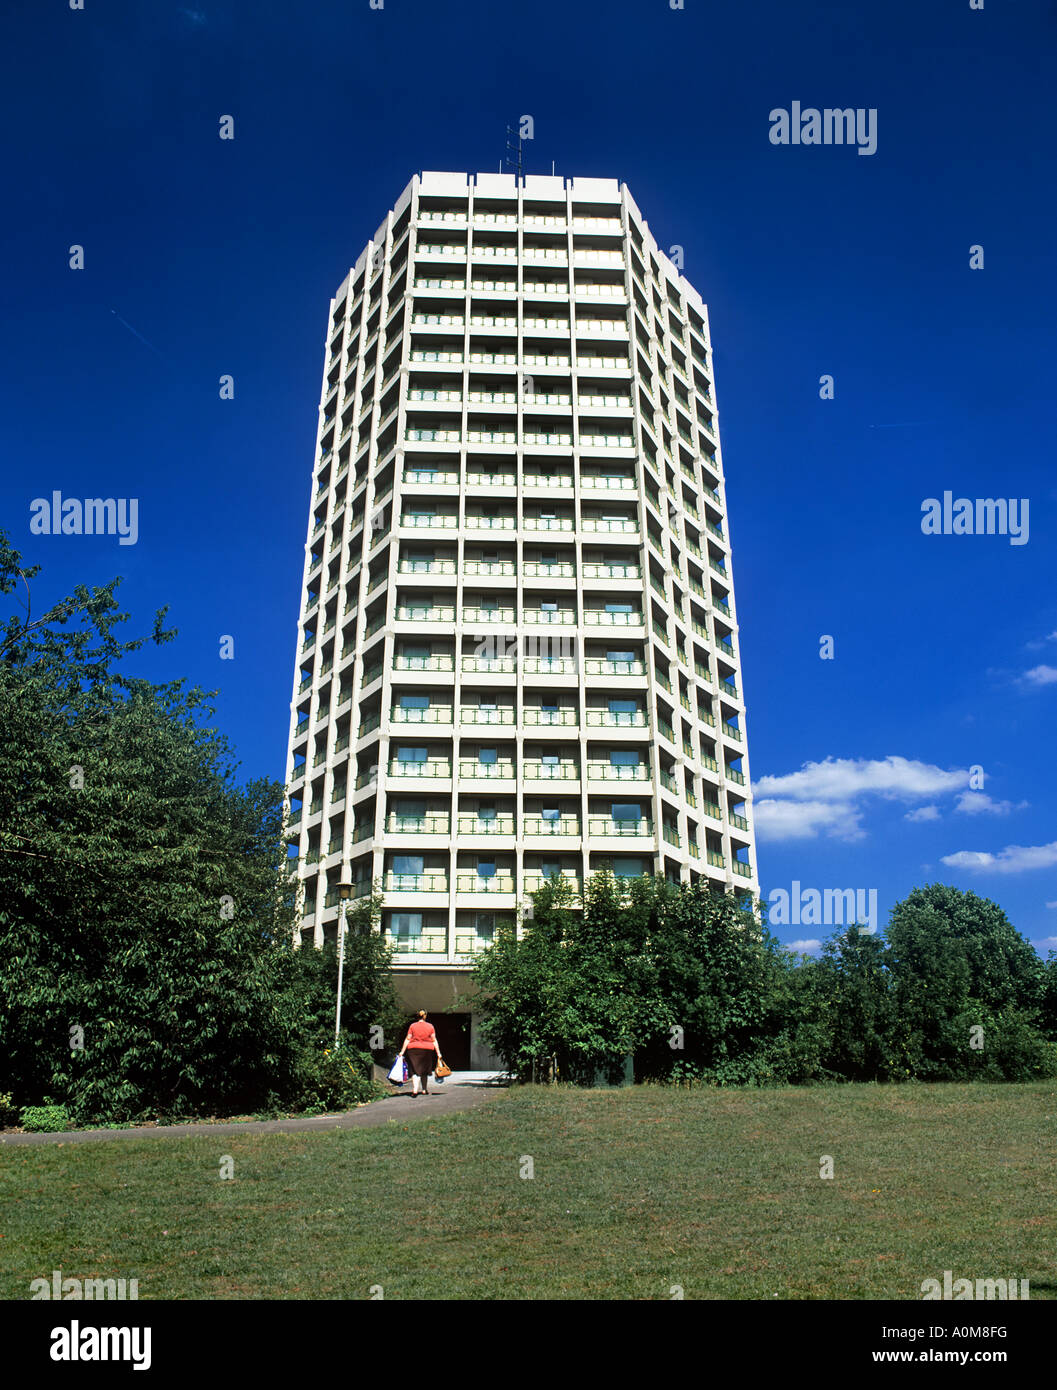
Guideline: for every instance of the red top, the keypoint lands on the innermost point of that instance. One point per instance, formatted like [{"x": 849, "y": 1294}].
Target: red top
[{"x": 422, "y": 1034}]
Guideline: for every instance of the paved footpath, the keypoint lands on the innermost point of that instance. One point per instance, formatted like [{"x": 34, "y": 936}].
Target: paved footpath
[{"x": 442, "y": 1100}]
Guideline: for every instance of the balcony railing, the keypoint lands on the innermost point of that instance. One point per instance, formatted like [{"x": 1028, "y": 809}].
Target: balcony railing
[
  {"x": 598, "y": 617},
  {"x": 568, "y": 718},
  {"x": 470, "y": 768},
  {"x": 493, "y": 825},
  {"x": 421, "y": 663},
  {"x": 715, "y": 858},
  {"x": 429, "y": 767},
  {"x": 432, "y": 714},
  {"x": 540, "y": 825},
  {"x": 548, "y": 665},
  {"x": 734, "y": 775},
  {"x": 740, "y": 868},
  {"x": 474, "y": 883},
  {"x": 635, "y": 829},
  {"x": 535, "y": 771},
  {"x": 617, "y": 719},
  {"x": 561, "y": 569},
  {"x": 738, "y": 821},
  {"x": 436, "y": 613},
  {"x": 534, "y": 881},
  {"x": 500, "y": 665},
  {"x": 471, "y": 714},
  {"x": 602, "y": 666},
  {"x": 618, "y": 772},
  {"x": 438, "y": 824},
  {"x": 416, "y": 883},
  {"x": 434, "y": 943},
  {"x": 488, "y": 615}
]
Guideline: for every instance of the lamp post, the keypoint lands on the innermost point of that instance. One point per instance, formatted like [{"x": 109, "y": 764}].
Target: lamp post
[{"x": 345, "y": 893}]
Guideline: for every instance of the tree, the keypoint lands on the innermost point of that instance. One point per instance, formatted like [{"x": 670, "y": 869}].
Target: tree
[
  {"x": 145, "y": 914},
  {"x": 957, "y": 963}
]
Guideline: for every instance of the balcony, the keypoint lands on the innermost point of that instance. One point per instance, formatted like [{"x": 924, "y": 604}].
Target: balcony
[
  {"x": 539, "y": 825},
  {"x": 740, "y": 868},
  {"x": 567, "y": 718},
  {"x": 426, "y": 943},
  {"x": 534, "y": 771},
  {"x": 602, "y": 666},
  {"x": 430, "y": 767},
  {"x": 601, "y": 827},
  {"x": 435, "y": 613},
  {"x": 711, "y": 808},
  {"x": 488, "y": 615},
  {"x": 732, "y": 731},
  {"x": 432, "y": 714},
  {"x": 598, "y": 617},
  {"x": 495, "y": 665},
  {"x": 609, "y": 527},
  {"x": 419, "y": 436},
  {"x": 733, "y": 775},
  {"x": 438, "y": 824},
  {"x": 470, "y": 769},
  {"x": 474, "y": 883},
  {"x": 561, "y": 616},
  {"x": 560, "y": 569},
  {"x": 617, "y": 719},
  {"x": 430, "y": 521},
  {"x": 715, "y": 858},
  {"x": 618, "y": 772},
  {"x": 415, "y": 883},
  {"x": 420, "y": 663},
  {"x": 471, "y": 714},
  {"x": 534, "y": 881},
  {"x": 478, "y": 825},
  {"x": 491, "y": 567},
  {"x": 491, "y": 523},
  {"x": 549, "y": 665}
]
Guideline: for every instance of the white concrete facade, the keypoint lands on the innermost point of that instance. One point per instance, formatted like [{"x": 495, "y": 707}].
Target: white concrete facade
[{"x": 518, "y": 649}]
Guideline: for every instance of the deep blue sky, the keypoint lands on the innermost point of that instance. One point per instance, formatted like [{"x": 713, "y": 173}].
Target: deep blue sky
[{"x": 221, "y": 258}]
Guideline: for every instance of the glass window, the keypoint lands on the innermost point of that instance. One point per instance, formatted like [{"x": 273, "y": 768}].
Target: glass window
[
  {"x": 546, "y": 702},
  {"x": 549, "y": 607},
  {"x": 550, "y": 759},
  {"x": 626, "y": 810},
  {"x": 623, "y": 757},
  {"x": 486, "y": 868},
  {"x": 484, "y": 924},
  {"x": 407, "y": 863},
  {"x": 405, "y": 754},
  {"x": 550, "y": 813},
  {"x": 618, "y": 608},
  {"x": 417, "y": 702},
  {"x": 622, "y": 706},
  {"x": 627, "y": 867},
  {"x": 487, "y": 704},
  {"x": 412, "y": 809},
  {"x": 486, "y": 811},
  {"x": 550, "y": 868},
  {"x": 405, "y": 924},
  {"x": 620, "y": 656},
  {"x": 488, "y": 755}
]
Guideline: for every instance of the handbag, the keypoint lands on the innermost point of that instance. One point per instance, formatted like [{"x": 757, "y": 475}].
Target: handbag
[
  {"x": 441, "y": 1071},
  {"x": 398, "y": 1071}
]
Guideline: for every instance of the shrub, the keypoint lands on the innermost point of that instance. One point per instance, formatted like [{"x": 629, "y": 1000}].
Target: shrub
[
  {"x": 45, "y": 1119},
  {"x": 335, "y": 1079},
  {"x": 8, "y": 1110}
]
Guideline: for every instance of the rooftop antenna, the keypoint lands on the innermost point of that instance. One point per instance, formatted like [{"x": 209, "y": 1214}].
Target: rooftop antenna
[{"x": 512, "y": 159}]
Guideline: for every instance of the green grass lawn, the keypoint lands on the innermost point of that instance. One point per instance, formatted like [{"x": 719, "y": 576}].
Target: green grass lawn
[{"x": 634, "y": 1191}]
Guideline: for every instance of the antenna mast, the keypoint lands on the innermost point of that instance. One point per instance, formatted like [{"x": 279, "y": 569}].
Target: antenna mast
[{"x": 512, "y": 159}]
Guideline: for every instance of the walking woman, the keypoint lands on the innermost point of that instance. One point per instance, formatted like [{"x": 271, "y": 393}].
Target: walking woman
[{"x": 423, "y": 1052}]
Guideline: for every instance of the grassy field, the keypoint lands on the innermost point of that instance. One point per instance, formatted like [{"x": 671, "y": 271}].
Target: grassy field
[{"x": 634, "y": 1191}]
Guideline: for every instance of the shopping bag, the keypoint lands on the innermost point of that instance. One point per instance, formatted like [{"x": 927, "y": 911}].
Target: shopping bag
[{"x": 398, "y": 1071}]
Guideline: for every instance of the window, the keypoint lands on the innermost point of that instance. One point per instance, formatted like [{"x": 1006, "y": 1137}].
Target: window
[
  {"x": 550, "y": 813},
  {"x": 405, "y": 924},
  {"x": 548, "y": 703},
  {"x": 489, "y": 603},
  {"x": 405, "y": 754},
  {"x": 416, "y": 657},
  {"x": 626, "y": 810},
  {"x": 487, "y": 755},
  {"x": 417, "y": 702},
  {"x": 484, "y": 925},
  {"x": 622, "y": 706},
  {"x": 618, "y": 607},
  {"x": 550, "y": 759},
  {"x": 627, "y": 867},
  {"x": 623, "y": 757},
  {"x": 550, "y": 868},
  {"x": 549, "y": 607},
  {"x": 411, "y": 810},
  {"x": 486, "y": 810},
  {"x": 486, "y": 868},
  {"x": 620, "y": 656},
  {"x": 487, "y": 704},
  {"x": 408, "y": 863}
]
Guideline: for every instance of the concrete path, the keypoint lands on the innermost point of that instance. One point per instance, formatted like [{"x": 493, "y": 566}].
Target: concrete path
[{"x": 461, "y": 1091}]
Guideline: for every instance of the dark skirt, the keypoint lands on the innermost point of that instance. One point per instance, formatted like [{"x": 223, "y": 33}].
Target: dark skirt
[{"x": 421, "y": 1061}]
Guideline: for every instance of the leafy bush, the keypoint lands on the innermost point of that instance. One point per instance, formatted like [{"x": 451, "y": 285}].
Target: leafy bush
[
  {"x": 45, "y": 1119},
  {"x": 335, "y": 1079},
  {"x": 8, "y": 1110}
]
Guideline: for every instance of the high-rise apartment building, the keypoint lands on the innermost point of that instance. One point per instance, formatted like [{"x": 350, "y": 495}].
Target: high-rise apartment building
[{"x": 518, "y": 652}]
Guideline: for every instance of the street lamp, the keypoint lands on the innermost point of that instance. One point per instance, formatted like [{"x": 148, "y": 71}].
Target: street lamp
[{"x": 344, "y": 893}]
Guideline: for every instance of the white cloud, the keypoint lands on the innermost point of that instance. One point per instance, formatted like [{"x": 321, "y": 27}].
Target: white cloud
[
  {"x": 1035, "y": 646},
  {"x": 1039, "y": 676},
  {"x": 802, "y": 820},
  {"x": 923, "y": 813},
  {"x": 845, "y": 778},
  {"x": 804, "y": 945},
  {"x": 1014, "y": 859},
  {"x": 1053, "y": 904},
  {"x": 979, "y": 803}
]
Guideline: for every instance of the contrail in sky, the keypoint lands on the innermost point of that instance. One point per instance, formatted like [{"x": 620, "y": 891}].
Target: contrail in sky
[{"x": 133, "y": 331}]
